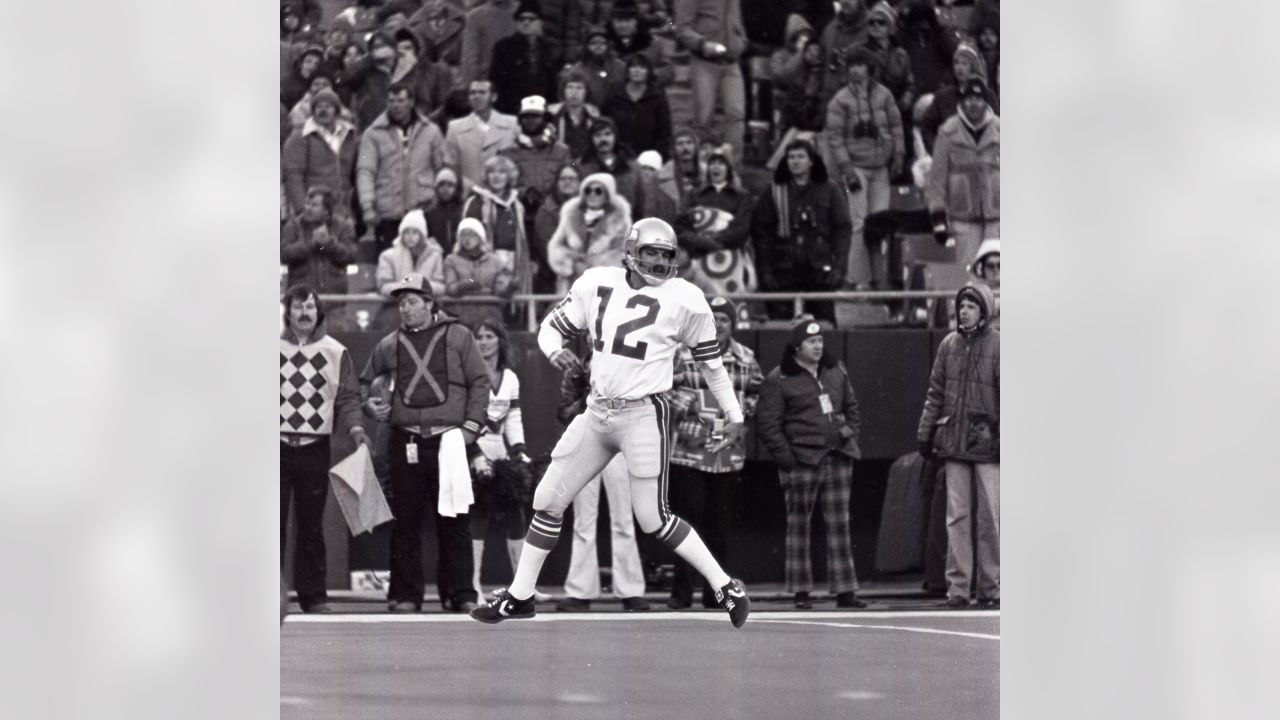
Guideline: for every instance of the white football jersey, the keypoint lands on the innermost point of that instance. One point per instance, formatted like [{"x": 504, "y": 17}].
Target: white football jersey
[{"x": 635, "y": 334}]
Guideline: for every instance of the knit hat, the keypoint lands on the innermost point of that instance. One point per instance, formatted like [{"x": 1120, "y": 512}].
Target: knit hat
[
  {"x": 414, "y": 283},
  {"x": 414, "y": 220},
  {"x": 328, "y": 96},
  {"x": 534, "y": 104},
  {"x": 650, "y": 159},
  {"x": 724, "y": 306},
  {"x": 989, "y": 247},
  {"x": 804, "y": 329},
  {"x": 970, "y": 51},
  {"x": 528, "y": 7},
  {"x": 446, "y": 173},
  {"x": 474, "y": 225},
  {"x": 883, "y": 10}
]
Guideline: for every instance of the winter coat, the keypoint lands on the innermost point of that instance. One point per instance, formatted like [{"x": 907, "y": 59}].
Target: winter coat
[
  {"x": 538, "y": 161},
  {"x": 442, "y": 222},
  {"x": 795, "y": 230},
  {"x": 658, "y": 50},
  {"x": 570, "y": 20},
  {"x": 368, "y": 85},
  {"x": 643, "y": 124},
  {"x": 929, "y": 52},
  {"x": 444, "y": 45},
  {"x": 602, "y": 75},
  {"x": 493, "y": 277},
  {"x": 789, "y": 418},
  {"x": 308, "y": 161},
  {"x": 430, "y": 85},
  {"x": 576, "y": 136},
  {"x": 396, "y": 262},
  {"x": 503, "y": 221},
  {"x": 838, "y": 40},
  {"x": 731, "y": 199},
  {"x": 961, "y": 413},
  {"x": 391, "y": 178},
  {"x": 965, "y": 178},
  {"x": 466, "y": 146},
  {"x": 323, "y": 267},
  {"x": 576, "y": 246},
  {"x": 678, "y": 188},
  {"x": 720, "y": 21},
  {"x": 457, "y": 368},
  {"x": 517, "y": 75},
  {"x": 875, "y": 106},
  {"x": 485, "y": 26},
  {"x": 625, "y": 172},
  {"x": 946, "y": 102},
  {"x": 893, "y": 66}
]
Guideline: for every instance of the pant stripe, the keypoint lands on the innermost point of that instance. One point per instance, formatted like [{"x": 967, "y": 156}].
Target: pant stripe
[{"x": 662, "y": 412}]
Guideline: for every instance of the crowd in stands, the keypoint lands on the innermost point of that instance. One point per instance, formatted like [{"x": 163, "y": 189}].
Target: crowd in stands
[{"x": 468, "y": 149}]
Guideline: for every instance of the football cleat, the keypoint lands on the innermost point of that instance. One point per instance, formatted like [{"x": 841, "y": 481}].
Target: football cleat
[
  {"x": 733, "y": 598},
  {"x": 652, "y": 233},
  {"x": 504, "y": 607}
]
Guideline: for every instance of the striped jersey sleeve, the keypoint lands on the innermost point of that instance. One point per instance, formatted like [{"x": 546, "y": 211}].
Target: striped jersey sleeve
[
  {"x": 700, "y": 331},
  {"x": 569, "y": 316}
]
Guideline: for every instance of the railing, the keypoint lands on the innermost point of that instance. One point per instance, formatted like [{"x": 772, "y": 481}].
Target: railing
[{"x": 798, "y": 299}]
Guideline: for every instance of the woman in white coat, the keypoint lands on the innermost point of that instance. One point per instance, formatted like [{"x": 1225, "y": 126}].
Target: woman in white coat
[{"x": 593, "y": 228}]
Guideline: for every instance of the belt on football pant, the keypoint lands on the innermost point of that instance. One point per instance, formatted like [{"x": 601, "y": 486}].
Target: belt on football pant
[{"x": 618, "y": 403}]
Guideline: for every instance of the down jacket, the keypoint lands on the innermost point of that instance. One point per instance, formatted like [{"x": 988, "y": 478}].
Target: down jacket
[
  {"x": 965, "y": 178},
  {"x": 309, "y": 161},
  {"x": 877, "y": 107},
  {"x": 577, "y": 245},
  {"x": 392, "y": 177},
  {"x": 962, "y": 406},
  {"x": 789, "y": 418}
]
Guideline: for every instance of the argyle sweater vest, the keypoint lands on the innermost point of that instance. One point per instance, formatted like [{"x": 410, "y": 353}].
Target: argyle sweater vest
[{"x": 309, "y": 376}]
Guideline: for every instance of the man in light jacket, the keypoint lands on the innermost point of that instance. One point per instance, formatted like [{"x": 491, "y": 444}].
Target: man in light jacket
[{"x": 963, "y": 188}]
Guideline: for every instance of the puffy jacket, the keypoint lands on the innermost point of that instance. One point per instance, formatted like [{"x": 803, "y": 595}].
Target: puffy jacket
[
  {"x": 443, "y": 46},
  {"x": 308, "y": 161},
  {"x": 789, "y": 418},
  {"x": 396, "y": 262},
  {"x": 393, "y": 178},
  {"x": 965, "y": 178},
  {"x": 699, "y": 21},
  {"x": 962, "y": 406},
  {"x": 876, "y": 107}
]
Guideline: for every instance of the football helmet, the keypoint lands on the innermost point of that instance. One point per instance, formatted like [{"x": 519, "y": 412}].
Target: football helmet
[{"x": 656, "y": 233}]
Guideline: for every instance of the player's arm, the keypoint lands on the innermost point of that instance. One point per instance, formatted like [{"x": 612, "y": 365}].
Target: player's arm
[{"x": 564, "y": 321}]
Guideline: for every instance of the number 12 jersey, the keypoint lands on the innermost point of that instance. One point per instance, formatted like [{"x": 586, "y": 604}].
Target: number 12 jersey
[{"x": 635, "y": 334}]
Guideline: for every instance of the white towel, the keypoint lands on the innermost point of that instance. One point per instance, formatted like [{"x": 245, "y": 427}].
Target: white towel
[{"x": 455, "y": 475}]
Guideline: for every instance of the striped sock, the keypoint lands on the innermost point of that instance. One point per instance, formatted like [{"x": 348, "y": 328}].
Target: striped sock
[
  {"x": 538, "y": 543},
  {"x": 683, "y": 539}
]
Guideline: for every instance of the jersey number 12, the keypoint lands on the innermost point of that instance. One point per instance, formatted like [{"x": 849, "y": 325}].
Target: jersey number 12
[{"x": 620, "y": 347}]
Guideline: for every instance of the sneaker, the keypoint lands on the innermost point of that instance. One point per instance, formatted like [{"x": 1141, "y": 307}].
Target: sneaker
[
  {"x": 504, "y": 607},
  {"x": 733, "y": 598},
  {"x": 635, "y": 604},
  {"x": 849, "y": 600},
  {"x": 803, "y": 601},
  {"x": 537, "y": 595},
  {"x": 402, "y": 607},
  {"x": 573, "y": 604},
  {"x": 957, "y": 602}
]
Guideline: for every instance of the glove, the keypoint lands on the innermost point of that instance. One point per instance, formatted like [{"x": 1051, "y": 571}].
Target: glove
[
  {"x": 926, "y": 450},
  {"x": 939, "y": 220}
]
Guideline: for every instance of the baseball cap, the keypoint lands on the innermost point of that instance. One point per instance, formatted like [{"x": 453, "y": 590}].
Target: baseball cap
[
  {"x": 414, "y": 283},
  {"x": 534, "y": 104}
]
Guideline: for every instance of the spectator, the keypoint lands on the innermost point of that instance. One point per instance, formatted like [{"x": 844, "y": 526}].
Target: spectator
[
  {"x": 629, "y": 37},
  {"x": 606, "y": 155},
  {"x": 395, "y": 173},
  {"x": 536, "y": 153},
  {"x": 523, "y": 63},
  {"x": 719, "y": 220},
  {"x": 369, "y": 77},
  {"x": 501, "y": 469},
  {"x": 864, "y": 135},
  {"x": 430, "y": 82},
  {"x": 485, "y": 26},
  {"x": 294, "y": 28},
  {"x": 929, "y": 46},
  {"x": 568, "y": 179},
  {"x": 967, "y": 63},
  {"x": 893, "y": 65},
  {"x": 798, "y": 70},
  {"x": 318, "y": 244},
  {"x": 986, "y": 268},
  {"x": 601, "y": 69},
  {"x": 437, "y": 408},
  {"x": 573, "y": 116},
  {"x": 445, "y": 213},
  {"x": 681, "y": 176},
  {"x": 294, "y": 85},
  {"x": 413, "y": 251},
  {"x": 318, "y": 393},
  {"x": 656, "y": 202},
  {"x": 845, "y": 32},
  {"x": 336, "y": 42},
  {"x": 440, "y": 25},
  {"x": 808, "y": 419},
  {"x": 472, "y": 140},
  {"x": 960, "y": 424},
  {"x": 801, "y": 230},
  {"x": 497, "y": 204},
  {"x": 457, "y": 105},
  {"x": 301, "y": 112},
  {"x": 593, "y": 228},
  {"x": 576, "y": 19},
  {"x": 985, "y": 27},
  {"x": 712, "y": 31},
  {"x": 352, "y": 56},
  {"x": 703, "y": 483},
  {"x": 582, "y": 584},
  {"x": 639, "y": 109},
  {"x": 963, "y": 191},
  {"x": 472, "y": 270}
]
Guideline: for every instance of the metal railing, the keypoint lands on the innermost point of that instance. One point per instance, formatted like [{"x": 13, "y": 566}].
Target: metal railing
[{"x": 532, "y": 300}]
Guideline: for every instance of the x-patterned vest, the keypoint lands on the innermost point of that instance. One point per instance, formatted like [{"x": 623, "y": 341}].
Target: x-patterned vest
[
  {"x": 309, "y": 376},
  {"x": 422, "y": 367}
]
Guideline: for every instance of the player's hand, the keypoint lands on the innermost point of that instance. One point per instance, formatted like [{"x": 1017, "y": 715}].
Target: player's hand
[
  {"x": 732, "y": 433},
  {"x": 566, "y": 361},
  {"x": 361, "y": 438}
]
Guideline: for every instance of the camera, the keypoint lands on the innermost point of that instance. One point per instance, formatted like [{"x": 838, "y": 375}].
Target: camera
[{"x": 866, "y": 130}]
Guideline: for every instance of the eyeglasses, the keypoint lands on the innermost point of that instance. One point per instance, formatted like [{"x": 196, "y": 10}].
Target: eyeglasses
[{"x": 594, "y": 190}]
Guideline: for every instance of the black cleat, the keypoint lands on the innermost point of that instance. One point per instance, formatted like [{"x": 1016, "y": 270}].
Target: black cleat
[
  {"x": 504, "y": 607},
  {"x": 733, "y": 598}
]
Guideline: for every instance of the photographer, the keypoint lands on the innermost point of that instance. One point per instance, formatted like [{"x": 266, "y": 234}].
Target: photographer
[
  {"x": 801, "y": 231},
  {"x": 864, "y": 135}
]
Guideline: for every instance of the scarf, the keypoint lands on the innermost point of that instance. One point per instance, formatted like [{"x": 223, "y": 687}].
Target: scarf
[
  {"x": 489, "y": 212},
  {"x": 976, "y": 130}
]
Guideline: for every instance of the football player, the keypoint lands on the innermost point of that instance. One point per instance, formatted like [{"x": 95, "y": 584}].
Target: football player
[{"x": 636, "y": 317}]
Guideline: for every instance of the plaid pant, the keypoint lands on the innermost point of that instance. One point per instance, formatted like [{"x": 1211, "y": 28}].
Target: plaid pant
[{"x": 832, "y": 481}]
